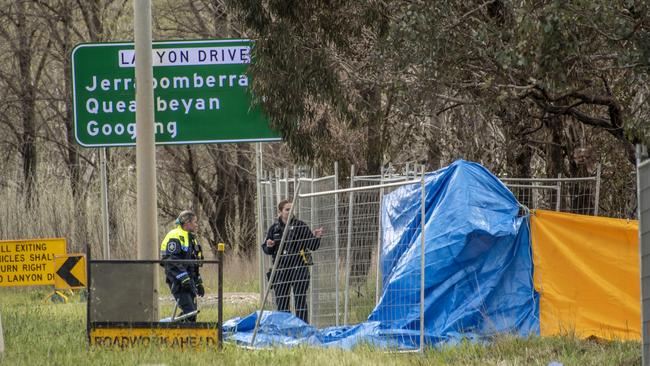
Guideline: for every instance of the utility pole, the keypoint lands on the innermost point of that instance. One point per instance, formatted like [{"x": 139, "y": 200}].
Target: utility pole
[{"x": 146, "y": 210}]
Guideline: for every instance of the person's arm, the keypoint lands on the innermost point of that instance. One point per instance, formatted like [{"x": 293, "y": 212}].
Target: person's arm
[
  {"x": 198, "y": 281},
  {"x": 194, "y": 268},
  {"x": 174, "y": 252},
  {"x": 268, "y": 246},
  {"x": 311, "y": 240}
]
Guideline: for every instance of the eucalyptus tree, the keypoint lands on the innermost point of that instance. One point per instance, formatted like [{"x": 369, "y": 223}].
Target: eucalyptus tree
[
  {"x": 525, "y": 87},
  {"x": 566, "y": 81},
  {"x": 321, "y": 76},
  {"x": 582, "y": 60}
]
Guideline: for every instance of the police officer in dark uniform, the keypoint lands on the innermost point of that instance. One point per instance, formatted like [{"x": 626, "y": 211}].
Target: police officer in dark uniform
[
  {"x": 292, "y": 271},
  {"x": 183, "y": 279}
]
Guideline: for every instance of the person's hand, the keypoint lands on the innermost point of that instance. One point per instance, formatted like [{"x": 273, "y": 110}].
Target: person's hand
[
  {"x": 318, "y": 232},
  {"x": 200, "y": 290},
  {"x": 186, "y": 284},
  {"x": 270, "y": 243}
]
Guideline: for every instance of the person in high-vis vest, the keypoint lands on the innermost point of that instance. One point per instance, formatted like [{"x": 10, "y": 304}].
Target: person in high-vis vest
[{"x": 183, "y": 279}]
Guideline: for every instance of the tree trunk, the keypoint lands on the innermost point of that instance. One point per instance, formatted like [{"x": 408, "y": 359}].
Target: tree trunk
[
  {"x": 77, "y": 187},
  {"x": 554, "y": 158},
  {"x": 374, "y": 150},
  {"x": 28, "y": 105}
]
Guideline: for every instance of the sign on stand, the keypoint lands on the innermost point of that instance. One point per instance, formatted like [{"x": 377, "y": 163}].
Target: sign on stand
[
  {"x": 29, "y": 262},
  {"x": 173, "y": 335},
  {"x": 69, "y": 271},
  {"x": 201, "y": 93}
]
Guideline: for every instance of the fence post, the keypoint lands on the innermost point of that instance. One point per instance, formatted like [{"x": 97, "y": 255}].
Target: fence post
[
  {"x": 270, "y": 208},
  {"x": 336, "y": 240},
  {"x": 286, "y": 179},
  {"x": 378, "y": 278},
  {"x": 260, "y": 215},
  {"x": 220, "y": 249},
  {"x": 533, "y": 195},
  {"x": 279, "y": 192},
  {"x": 312, "y": 223},
  {"x": 295, "y": 182},
  {"x": 559, "y": 193},
  {"x": 422, "y": 255},
  {"x": 348, "y": 250},
  {"x": 597, "y": 194},
  {"x": 270, "y": 197}
]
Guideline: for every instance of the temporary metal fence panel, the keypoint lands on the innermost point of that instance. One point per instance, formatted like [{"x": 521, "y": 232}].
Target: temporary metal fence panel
[
  {"x": 574, "y": 195},
  {"x": 342, "y": 281},
  {"x": 279, "y": 185},
  {"x": 319, "y": 212},
  {"x": 345, "y": 278}
]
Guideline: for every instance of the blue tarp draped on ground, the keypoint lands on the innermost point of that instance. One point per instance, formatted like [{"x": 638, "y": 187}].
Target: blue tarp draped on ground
[{"x": 478, "y": 272}]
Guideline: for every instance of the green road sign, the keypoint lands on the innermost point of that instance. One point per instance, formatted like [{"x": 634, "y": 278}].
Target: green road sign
[{"x": 201, "y": 93}]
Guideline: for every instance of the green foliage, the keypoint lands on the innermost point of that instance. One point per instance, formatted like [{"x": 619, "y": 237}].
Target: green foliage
[
  {"x": 384, "y": 73},
  {"x": 317, "y": 69}
]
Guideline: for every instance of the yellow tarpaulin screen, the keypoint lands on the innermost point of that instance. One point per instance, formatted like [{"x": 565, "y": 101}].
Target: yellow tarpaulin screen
[{"x": 586, "y": 270}]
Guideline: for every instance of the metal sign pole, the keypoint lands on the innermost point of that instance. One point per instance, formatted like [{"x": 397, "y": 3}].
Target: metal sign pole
[{"x": 104, "y": 196}]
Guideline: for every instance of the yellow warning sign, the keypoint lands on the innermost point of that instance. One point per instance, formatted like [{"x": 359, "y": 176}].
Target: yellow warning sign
[
  {"x": 69, "y": 271},
  {"x": 182, "y": 338},
  {"x": 29, "y": 262}
]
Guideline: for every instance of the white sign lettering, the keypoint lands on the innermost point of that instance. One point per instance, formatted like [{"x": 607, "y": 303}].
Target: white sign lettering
[{"x": 191, "y": 56}]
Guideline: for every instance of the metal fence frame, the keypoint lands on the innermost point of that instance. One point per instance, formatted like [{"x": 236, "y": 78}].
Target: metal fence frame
[
  {"x": 352, "y": 190},
  {"x": 556, "y": 185},
  {"x": 273, "y": 186}
]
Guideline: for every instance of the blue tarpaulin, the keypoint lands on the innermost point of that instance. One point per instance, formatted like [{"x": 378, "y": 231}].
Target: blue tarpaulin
[{"x": 478, "y": 270}]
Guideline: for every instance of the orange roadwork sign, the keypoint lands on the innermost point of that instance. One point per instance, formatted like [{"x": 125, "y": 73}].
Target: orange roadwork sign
[{"x": 181, "y": 337}]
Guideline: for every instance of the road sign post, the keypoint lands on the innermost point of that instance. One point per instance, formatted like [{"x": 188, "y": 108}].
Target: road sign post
[{"x": 201, "y": 93}]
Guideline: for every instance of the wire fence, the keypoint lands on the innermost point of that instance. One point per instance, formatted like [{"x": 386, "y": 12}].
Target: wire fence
[
  {"x": 344, "y": 283},
  {"x": 574, "y": 195},
  {"x": 341, "y": 282}
]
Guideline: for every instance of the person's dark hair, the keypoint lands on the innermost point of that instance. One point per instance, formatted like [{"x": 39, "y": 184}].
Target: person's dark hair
[
  {"x": 184, "y": 217},
  {"x": 282, "y": 204}
]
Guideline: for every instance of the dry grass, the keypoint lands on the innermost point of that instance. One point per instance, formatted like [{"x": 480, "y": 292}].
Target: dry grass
[{"x": 38, "y": 333}]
